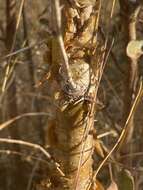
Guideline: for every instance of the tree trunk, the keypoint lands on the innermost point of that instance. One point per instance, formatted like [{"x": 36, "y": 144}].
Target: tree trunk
[{"x": 69, "y": 135}]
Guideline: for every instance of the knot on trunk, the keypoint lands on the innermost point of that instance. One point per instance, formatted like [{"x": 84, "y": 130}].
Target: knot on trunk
[{"x": 80, "y": 74}]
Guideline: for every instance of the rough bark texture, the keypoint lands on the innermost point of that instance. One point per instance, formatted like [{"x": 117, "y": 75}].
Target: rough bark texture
[{"x": 69, "y": 134}]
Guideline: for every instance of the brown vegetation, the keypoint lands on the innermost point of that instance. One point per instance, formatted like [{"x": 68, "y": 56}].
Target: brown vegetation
[{"x": 70, "y": 95}]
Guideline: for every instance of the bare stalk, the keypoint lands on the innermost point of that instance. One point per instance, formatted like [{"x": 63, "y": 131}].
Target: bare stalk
[
  {"x": 57, "y": 22},
  {"x": 129, "y": 16}
]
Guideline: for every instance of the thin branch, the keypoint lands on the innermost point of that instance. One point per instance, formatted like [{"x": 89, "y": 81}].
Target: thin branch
[
  {"x": 28, "y": 144},
  {"x": 124, "y": 131},
  {"x": 27, "y": 157},
  {"x": 115, "y": 60},
  {"x": 7, "y": 123},
  {"x": 34, "y": 146},
  {"x": 57, "y": 22},
  {"x": 36, "y": 166},
  {"x": 131, "y": 80},
  {"x": 22, "y": 50},
  {"x": 29, "y": 52},
  {"x": 13, "y": 45}
]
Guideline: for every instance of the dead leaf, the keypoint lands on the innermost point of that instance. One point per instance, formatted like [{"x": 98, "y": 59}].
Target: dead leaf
[
  {"x": 98, "y": 148},
  {"x": 126, "y": 180},
  {"x": 97, "y": 186},
  {"x": 113, "y": 186}
]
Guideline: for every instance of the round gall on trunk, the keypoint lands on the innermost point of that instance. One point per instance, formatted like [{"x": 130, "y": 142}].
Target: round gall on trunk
[
  {"x": 135, "y": 49},
  {"x": 80, "y": 73}
]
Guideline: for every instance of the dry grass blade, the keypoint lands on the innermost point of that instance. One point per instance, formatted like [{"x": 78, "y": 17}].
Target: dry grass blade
[
  {"x": 112, "y": 8},
  {"x": 7, "y": 123},
  {"x": 13, "y": 45}
]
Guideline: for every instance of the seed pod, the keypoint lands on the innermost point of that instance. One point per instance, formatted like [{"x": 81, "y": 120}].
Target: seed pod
[{"x": 135, "y": 49}]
